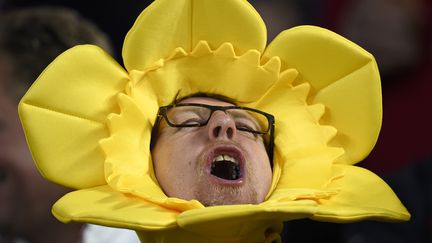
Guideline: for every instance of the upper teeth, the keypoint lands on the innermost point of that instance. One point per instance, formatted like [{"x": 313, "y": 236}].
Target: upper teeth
[{"x": 223, "y": 157}]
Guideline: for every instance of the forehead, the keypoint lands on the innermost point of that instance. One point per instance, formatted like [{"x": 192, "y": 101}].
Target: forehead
[{"x": 206, "y": 101}]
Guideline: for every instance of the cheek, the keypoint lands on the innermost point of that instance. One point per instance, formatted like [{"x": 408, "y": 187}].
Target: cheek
[
  {"x": 171, "y": 150},
  {"x": 264, "y": 171},
  {"x": 174, "y": 158},
  {"x": 161, "y": 156},
  {"x": 261, "y": 165}
]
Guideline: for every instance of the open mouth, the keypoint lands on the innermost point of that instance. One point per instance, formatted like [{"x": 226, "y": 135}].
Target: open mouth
[{"x": 225, "y": 167}]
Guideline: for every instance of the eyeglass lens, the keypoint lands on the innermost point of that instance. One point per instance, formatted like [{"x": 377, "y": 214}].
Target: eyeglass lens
[{"x": 197, "y": 116}]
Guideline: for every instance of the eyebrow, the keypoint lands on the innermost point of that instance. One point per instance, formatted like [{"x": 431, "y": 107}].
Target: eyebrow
[{"x": 194, "y": 109}]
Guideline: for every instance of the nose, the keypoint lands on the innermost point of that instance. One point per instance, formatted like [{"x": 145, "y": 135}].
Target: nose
[{"x": 221, "y": 126}]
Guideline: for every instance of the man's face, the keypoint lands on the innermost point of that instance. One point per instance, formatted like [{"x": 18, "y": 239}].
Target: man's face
[{"x": 190, "y": 163}]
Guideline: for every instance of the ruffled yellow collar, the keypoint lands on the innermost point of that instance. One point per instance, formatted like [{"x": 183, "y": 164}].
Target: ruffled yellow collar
[{"x": 88, "y": 122}]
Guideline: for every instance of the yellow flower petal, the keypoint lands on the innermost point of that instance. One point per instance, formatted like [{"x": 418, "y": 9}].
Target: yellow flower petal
[
  {"x": 102, "y": 205},
  {"x": 354, "y": 107},
  {"x": 166, "y": 24},
  {"x": 220, "y": 71},
  {"x": 302, "y": 157},
  {"x": 64, "y": 113},
  {"x": 233, "y": 223},
  {"x": 308, "y": 168},
  {"x": 245, "y": 223},
  {"x": 82, "y": 82},
  {"x": 363, "y": 195},
  {"x": 343, "y": 77},
  {"x": 65, "y": 147}
]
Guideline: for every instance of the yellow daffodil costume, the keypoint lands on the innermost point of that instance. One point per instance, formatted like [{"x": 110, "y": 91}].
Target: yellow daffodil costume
[{"x": 88, "y": 122}]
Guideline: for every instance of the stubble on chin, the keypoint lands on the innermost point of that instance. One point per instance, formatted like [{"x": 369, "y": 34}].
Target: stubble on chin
[{"x": 212, "y": 194}]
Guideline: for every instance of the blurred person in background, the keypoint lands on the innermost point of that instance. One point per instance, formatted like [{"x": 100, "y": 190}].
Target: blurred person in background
[
  {"x": 29, "y": 40},
  {"x": 114, "y": 18},
  {"x": 398, "y": 34}
]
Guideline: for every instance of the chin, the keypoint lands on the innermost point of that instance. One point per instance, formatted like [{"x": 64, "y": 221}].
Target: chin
[{"x": 212, "y": 195}]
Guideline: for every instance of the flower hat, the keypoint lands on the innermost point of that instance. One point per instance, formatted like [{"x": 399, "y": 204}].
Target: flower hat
[{"x": 88, "y": 123}]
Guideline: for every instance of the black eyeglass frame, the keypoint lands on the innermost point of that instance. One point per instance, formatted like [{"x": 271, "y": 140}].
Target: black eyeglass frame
[{"x": 270, "y": 118}]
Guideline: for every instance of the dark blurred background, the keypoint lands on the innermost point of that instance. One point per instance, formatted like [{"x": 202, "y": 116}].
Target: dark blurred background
[{"x": 398, "y": 33}]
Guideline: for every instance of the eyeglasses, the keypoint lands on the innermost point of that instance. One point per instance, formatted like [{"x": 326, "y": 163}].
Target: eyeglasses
[{"x": 197, "y": 115}]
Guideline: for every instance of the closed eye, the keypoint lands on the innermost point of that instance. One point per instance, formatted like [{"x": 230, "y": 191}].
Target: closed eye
[
  {"x": 245, "y": 126},
  {"x": 192, "y": 122}
]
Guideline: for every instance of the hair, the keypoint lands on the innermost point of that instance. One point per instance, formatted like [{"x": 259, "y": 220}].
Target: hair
[
  {"x": 31, "y": 38},
  {"x": 206, "y": 95}
]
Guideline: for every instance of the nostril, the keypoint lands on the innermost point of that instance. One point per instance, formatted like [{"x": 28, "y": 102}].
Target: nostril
[
  {"x": 216, "y": 131},
  {"x": 230, "y": 132}
]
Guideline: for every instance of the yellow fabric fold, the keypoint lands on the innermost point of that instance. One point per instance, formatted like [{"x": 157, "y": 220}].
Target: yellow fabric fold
[
  {"x": 364, "y": 112},
  {"x": 62, "y": 135},
  {"x": 102, "y": 205},
  {"x": 89, "y": 93},
  {"x": 350, "y": 204},
  {"x": 64, "y": 114},
  {"x": 166, "y": 25},
  {"x": 329, "y": 60}
]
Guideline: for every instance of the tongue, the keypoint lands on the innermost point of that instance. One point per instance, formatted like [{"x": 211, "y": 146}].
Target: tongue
[{"x": 226, "y": 170}]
